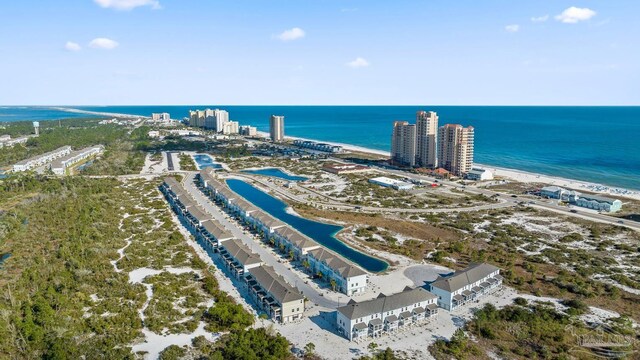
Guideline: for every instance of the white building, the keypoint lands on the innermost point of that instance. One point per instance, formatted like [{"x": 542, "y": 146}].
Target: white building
[
  {"x": 160, "y": 117},
  {"x": 276, "y": 128},
  {"x": 248, "y": 131},
  {"x": 6, "y": 140},
  {"x": 347, "y": 277},
  {"x": 385, "y": 314},
  {"x": 466, "y": 285},
  {"x": 40, "y": 160},
  {"x": 313, "y": 145},
  {"x": 230, "y": 128},
  {"x": 599, "y": 203},
  {"x": 392, "y": 183},
  {"x": 61, "y": 165},
  {"x": 479, "y": 174}
]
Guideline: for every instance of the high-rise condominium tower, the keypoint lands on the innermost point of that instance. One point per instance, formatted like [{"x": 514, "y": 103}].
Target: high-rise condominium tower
[
  {"x": 455, "y": 148},
  {"x": 426, "y": 137},
  {"x": 403, "y": 143},
  {"x": 276, "y": 128},
  {"x": 215, "y": 119}
]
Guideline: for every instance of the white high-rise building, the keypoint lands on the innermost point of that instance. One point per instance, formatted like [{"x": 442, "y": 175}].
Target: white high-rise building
[
  {"x": 230, "y": 128},
  {"x": 455, "y": 148},
  {"x": 276, "y": 128},
  {"x": 426, "y": 138},
  {"x": 403, "y": 143},
  {"x": 215, "y": 119},
  {"x": 160, "y": 117}
]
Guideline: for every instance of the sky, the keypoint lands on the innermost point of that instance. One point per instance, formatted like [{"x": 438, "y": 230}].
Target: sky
[{"x": 320, "y": 52}]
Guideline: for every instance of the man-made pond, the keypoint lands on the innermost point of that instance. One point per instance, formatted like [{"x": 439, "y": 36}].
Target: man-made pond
[
  {"x": 322, "y": 233},
  {"x": 85, "y": 165},
  {"x": 275, "y": 172},
  {"x": 206, "y": 161}
]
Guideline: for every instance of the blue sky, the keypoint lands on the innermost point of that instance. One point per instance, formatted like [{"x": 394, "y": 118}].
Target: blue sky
[{"x": 422, "y": 52}]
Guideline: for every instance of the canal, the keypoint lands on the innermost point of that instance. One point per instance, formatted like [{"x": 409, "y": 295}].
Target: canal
[
  {"x": 322, "y": 233},
  {"x": 275, "y": 172}
]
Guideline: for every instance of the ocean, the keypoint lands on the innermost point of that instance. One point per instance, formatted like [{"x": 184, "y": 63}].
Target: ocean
[{"x": 596, "y": 144}]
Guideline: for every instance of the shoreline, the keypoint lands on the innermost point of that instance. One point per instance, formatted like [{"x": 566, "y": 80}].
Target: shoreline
[{"x": 513, "y": 174}]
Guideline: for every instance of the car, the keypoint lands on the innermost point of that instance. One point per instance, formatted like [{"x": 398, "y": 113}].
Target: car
[
  {"x": 573, "y": 211},
  {"x": 620, "y": 222},
  {"x": 514, "y": 196}
]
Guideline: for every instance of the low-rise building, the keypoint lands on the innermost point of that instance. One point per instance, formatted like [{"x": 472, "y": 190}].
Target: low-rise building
[
  {"x": 274, "y": 295},
  {"x": 61, "y": 165},
  {"x": 344, "y": 276},
  {"x": 238, "y": 258},
  {"x": 6, "y": 140},
  {"x": 479, "y": 174},
  {"x": 318, "y": 146},
  {"x": 293, "y": 242},
  {"x": 338, "y": 169},
  {"x": 40, "y": 160},
  {"x": 599, "y": 203},
  {"x": 385, "y": 314},
  {"x": 466, "y": 285},
  {"x": 230, "y": 128},
  {"x": 392, "y": 183}
]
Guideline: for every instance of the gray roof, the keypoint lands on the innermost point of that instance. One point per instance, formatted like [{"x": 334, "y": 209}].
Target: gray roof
[
  {"x": 245, "y": 205},
  {"x": 598, "y": 198},
  {"x": 391, "y": 318},
  {"x": 297, "y": 238},
  {"x": 267, "y": 219},
  {"x": 274, "y": 284},
  {"x": 57, "y": 163},
  {"x": 172, "y": 183},
  {"x": 198, "y": 213},
  {"x": 241, "y": 252},
  {"x": 462, "y": 278},
  {"x": 217, "y": 230},
  {"x": 384, "y": 303},
  {"x": 185, "y": 199},
  {"x": 337, "y": 263},
  {"x": 48, "y": 153}
]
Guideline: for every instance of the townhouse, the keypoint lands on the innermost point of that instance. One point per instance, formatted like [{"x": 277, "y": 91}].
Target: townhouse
[
  {"x": 238, "y": 258},
  {"x": 60, "y": 165},
  {"x": 385, "y": 314},
  {"x": 274, "y": 295},
  {"x": 466, "y": 285},
  {"x": 270, "y": 292},
  {"x": 344, "y": 276},
  {"x": 40, "y": 160}
]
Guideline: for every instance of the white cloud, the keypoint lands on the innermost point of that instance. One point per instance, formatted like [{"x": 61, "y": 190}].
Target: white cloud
[
  {"x": 103, "y": 43},
  {"x": 539, "y": 19},
  {"x": 292, "y": 34},
  {"x": 358, "y": 63},
  {"x": 573, "y": 15},
  {"x": 127, "y": 4},
  {"x": 71, "y": 46},
  {"x": 512, "y": 28}
]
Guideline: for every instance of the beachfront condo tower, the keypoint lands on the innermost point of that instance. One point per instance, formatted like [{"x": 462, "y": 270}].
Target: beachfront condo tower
[
  {"x": 455, "y": 148},
  {"x": 403, "y": 143},
  {"x": 426, "y": 138},
  {"x": 276, "y": 128},
  {"x": 209, "y": 119}
]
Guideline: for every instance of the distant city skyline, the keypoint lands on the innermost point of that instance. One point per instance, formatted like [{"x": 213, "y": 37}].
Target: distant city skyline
[{"x": 356, "y": 52}]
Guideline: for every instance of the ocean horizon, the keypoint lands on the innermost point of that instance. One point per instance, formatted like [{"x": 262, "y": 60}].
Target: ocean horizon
[{"x": 589, "y": 143}]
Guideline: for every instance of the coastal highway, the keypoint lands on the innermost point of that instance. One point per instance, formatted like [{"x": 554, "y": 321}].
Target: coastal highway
[
  {"x": 583, "y": 214},
  {"x": 283, "y": 268}
]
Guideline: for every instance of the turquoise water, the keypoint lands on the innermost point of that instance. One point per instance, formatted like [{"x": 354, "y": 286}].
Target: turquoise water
[
  {"x": 323, "y": 233},
  {"x": 205, "y": 161},
  {"x": 275, "y": 172},
  {"x": 598, "y": 144}
]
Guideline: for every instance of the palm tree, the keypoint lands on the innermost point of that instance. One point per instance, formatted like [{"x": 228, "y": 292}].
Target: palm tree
[
  {"x": 333, "y": 284},
  {"x": 291, "y": 254},
  {"x": 306, "y": 264}
]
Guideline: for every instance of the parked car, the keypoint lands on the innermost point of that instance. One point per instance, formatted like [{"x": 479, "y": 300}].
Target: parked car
[
  {"x": 620, "y": 222},
  {"x": 573, "y": 211}
]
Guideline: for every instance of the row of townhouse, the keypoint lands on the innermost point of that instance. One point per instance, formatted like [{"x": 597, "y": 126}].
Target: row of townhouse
[
  {"x": 385, "y": 314},
  {"x": 466, "y": 285},
  {"x": 270, "y": 292},
  {"x": 347, "y": 278},
  {"x": 60, "y": 165},
  {"x": 343, "y": 275},
  {"x": 40, "y": 160}
]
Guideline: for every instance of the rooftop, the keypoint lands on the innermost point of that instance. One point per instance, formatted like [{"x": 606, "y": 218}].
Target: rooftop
[
  {"x": 275, "y": 284},
  {"x": 384, "y": 303},
  {"x": 241, "y": 252},
  {"x": 462, "y": 278},
  {"x": 337, "y": 263}
]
